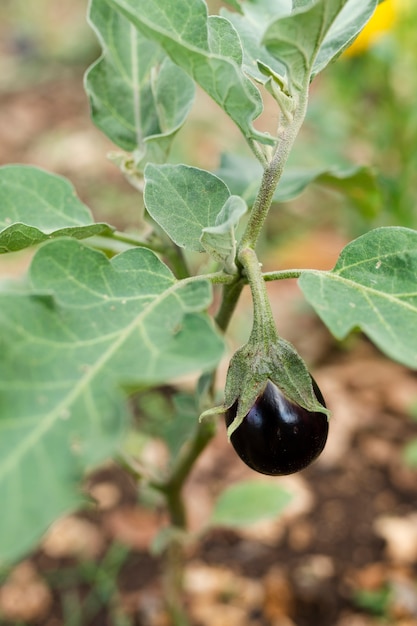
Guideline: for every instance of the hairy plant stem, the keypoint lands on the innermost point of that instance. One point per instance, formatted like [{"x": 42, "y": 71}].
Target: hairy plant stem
[
  {"x": 273, "y": 171},
  {"x": 282, "y": 274},
  {"x": 172, "y": 487},
  {"x": 263, "y": 329},
  {"x": 172, "y": 490},
  {"x": 230, "y": 297},
  {"x": 247, "y": 263},
  {"x": 177, "y": 260}
]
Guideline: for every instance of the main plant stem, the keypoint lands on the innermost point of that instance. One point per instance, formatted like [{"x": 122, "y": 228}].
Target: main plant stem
[
  {"x": 248, "y": 270},
  {"x": 288, "y": 132},
  {"x": 174, "y": 554},
  {"x": 173, "y": 486}
]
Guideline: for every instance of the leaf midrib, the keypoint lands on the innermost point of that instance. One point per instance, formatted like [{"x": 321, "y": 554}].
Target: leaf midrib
[
  {"x": 55, "y": 415},
  {"x": 362, "y": 288}
]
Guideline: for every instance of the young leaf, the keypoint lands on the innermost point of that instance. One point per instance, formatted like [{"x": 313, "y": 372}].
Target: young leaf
[
  {"x": 184, "y": 201},
  {"x": 372, "y": 287},
  {"x": 219, "y": 240},
  {"x": 207, "y": 48},
  {"x": 90, "y": 327},
  {"x": 36, "y": 205},
  {"x": 172, "y": 419},
  {"x": 138, "y": 97},
  {"x": 315, "y": 33},
  {"x": 249, "y": 502}
]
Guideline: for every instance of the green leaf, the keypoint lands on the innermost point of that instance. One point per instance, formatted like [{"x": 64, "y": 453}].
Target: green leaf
[
  {"x": 207, "y": 48},
  {"x": 138, "y": 97},
  {"x": 90, "y": 327},
  {"x": 242, "y": 175},
  {"x": 375, "y": 601},
  {"x": 235, "y": 4},
  {"x": 251, "y": 27},
  {"x": 358, "y": 183},
  {"x": 263, "y": 12},
  {"x": 347, "y": 26},
  {"x": 172, "y": 419},
  {"x": 315, "y": 33},
  {"x": 409, "y": 453},
  {"x": 184, "y": 200},
  {"x": 372, "y": 287},
  {"x": 249, "y": 502},
  {"x": 219, "y": 240},
  {"x": 36, "y": 205}
]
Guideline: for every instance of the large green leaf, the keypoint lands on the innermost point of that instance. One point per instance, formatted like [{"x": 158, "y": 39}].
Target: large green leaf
[
  {"x": 139, "y": 98},
  {"x": 90, "y": 327},
  {"x": 372, "y": 287},
  {"x": 207, "y": 48},
  {"x": 315, "y": 33},
  {"x": 249, "y": 502},
  {"x": 186, "y": 200},
  {"x": 251, "y": 27},
  {"x": 36, "y": 205}
]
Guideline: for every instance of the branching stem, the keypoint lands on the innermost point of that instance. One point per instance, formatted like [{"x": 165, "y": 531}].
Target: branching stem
[
  {"x": 248, "y": 270},
  {"x": 282, "y": 274},
  {"x": 263, "y": 328}
]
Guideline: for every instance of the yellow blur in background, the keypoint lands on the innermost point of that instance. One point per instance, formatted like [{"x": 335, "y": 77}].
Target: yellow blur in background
[{"x": 380, "y": 23}]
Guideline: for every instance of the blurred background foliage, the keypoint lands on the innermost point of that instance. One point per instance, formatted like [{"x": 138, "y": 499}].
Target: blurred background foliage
[{"x": 369, "y": 99}]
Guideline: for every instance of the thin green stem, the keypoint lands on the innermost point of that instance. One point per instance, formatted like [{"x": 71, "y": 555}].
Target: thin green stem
[
  {"x": 231, "y": 294},
  {"x": 172, "y": 487},
  {"x": 216, "y": 278},
  {"x": 172, "y": 490},
  {"x": 173, "y": 580},
  {"x": 133, "y": 240},
  {"x": 263, "y": 324},
  {"x": 258, "y": 152},
  {"x": 282, "y": 274},
  {"x": 273, "y": 172},
  {"x": 263, "y": 329},
  {"x": 176, "y": 257}
]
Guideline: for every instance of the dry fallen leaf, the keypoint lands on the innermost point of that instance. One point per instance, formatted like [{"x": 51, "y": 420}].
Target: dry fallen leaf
[
  {"x": 371, "y": 577},
  {"x": 135, "y": 527},
  {"x": 400, "y": 534},
  {"x": 279, "y": 599},
  {"x": 24, "y": 596},
  {"x": 219, "y": 596},
  {"x": 73, "y": 537},
  {"x": 106, "y": 494}
]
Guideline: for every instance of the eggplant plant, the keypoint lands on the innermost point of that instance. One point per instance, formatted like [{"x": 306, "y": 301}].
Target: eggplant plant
[{"x": 103, "y": 313}]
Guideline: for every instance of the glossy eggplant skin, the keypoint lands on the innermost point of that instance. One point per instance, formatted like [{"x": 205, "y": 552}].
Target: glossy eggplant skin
[{"x": 277, "y": 436}]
